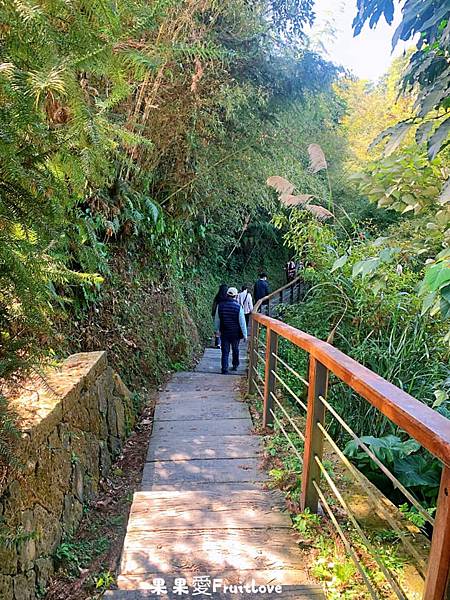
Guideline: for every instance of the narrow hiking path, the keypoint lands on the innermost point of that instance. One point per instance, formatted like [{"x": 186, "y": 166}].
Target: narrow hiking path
[{"x": 203, "y": 510}]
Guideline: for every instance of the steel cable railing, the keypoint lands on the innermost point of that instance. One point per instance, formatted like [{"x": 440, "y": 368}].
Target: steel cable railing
[{"x": 378, "y": 462}]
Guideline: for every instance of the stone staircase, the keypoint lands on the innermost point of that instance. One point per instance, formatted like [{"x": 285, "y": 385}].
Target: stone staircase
[{"x": 203, "y": 519}]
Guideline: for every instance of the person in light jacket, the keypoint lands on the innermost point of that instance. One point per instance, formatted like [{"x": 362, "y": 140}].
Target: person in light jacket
[
  {"x": 246, "y": 301},
  {"x": 230, "y": 321}
]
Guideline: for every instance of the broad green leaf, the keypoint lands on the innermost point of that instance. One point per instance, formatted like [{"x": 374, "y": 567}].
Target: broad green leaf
[
  {"x": 441, "y": 397},
  {"x": 445, "y": 308},
  {"x": 397, "y": 136},
  {"x": 340, "y": 262},
  {"x": 414, "y": 471},
  {"x": 436, "y": 276},
  {"x": 438, "y": 138},
  {"x": 365, "y": 267},
  {"x": 428, "y": 302},
  {"x": 445, "y": 292}
]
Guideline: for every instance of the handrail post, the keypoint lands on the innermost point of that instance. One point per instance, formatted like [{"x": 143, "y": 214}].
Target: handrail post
[
  {"x": 254, "y": 333},
  {"x": 318, "y": 383},
  {"x": 269, "y": 378},
  {"x": 437, "y": 580},
  {"x": 292, "y": 293}
]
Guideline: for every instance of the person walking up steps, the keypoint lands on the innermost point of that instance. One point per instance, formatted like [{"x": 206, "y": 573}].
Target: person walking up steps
[
  {"x": 230, "y": 321},
  {"x": 246, "y": 301}
]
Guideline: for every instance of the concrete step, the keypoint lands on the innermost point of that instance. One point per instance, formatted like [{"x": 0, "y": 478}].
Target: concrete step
[
  {"x": 173, "y": 429},
  {"x": 218, "y": 408},
  {"x": 191, "y": 486},
  {"x": 222, "y": 470},
  {"x": 184, "y": 396},
  {"x": 207, "y": 509},
  {"x": 187, "y": 447},
  {"x": 207, "y": 551},
  {"x": 203, "y": 382}
]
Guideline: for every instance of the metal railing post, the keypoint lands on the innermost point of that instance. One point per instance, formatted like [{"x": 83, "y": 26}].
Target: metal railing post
[
  {"x": 281, "y": 297},
  {"x": 269, "y": 378},
  {"x": 254, "y": 333},
  {"x": 437, "y": 581},
  {"x": 318, "y": 383}
]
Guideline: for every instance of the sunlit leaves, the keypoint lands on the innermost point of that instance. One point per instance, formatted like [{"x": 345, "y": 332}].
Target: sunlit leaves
[
  {"x": 405, "y": 182},
  {"x": 428, "y": 73},
  {"x": 46, "y": 82}
]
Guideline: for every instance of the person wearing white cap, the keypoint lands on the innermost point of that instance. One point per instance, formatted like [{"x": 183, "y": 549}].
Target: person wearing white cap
[{"x": 230, "y": 322}]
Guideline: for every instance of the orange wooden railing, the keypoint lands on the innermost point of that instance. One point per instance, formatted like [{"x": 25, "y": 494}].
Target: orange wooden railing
[{"x": 425, "y": 425}]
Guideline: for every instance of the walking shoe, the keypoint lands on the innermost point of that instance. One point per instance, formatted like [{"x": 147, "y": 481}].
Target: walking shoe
[
  {"x": 224, "y": 372},
  {"x": 234, "y": 368}
]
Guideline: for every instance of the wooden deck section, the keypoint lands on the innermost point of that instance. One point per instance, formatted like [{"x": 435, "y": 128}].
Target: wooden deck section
[{"x": 202, "y": 509}]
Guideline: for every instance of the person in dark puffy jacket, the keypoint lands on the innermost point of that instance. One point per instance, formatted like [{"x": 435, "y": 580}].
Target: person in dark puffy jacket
[
  {"x": 230, "y": 322},
  {"x": 221, "y": 296}
]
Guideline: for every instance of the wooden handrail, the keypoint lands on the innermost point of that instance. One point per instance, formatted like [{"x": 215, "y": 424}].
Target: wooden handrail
[
  {"x": 424, "y": 424},
  {"x": 275, "y": 293}
]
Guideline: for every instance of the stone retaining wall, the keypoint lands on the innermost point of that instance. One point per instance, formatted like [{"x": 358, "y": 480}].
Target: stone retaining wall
[{"x": 73, "y": 426}]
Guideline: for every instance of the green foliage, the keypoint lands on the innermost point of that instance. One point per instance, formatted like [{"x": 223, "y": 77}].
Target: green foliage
[
  {"x": 417, "y": 472},
  {"x": 88, "y": 164},
  {"x": 428, "y": 72},
  {"x": 135, "y": 143},
  {"x": 104, "y": 581},
  {"x": 16, "y": 537},
  {"x": 9, "y": 434},
  {"x": 405, "y": 182},
  {"x": 412, "y": 515},
  {"x": 73, "y": 556},
  {"x": 306, "y": 522},
  {"x": 363, "y": 294},
  {"x": 411, "y": 185}
]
